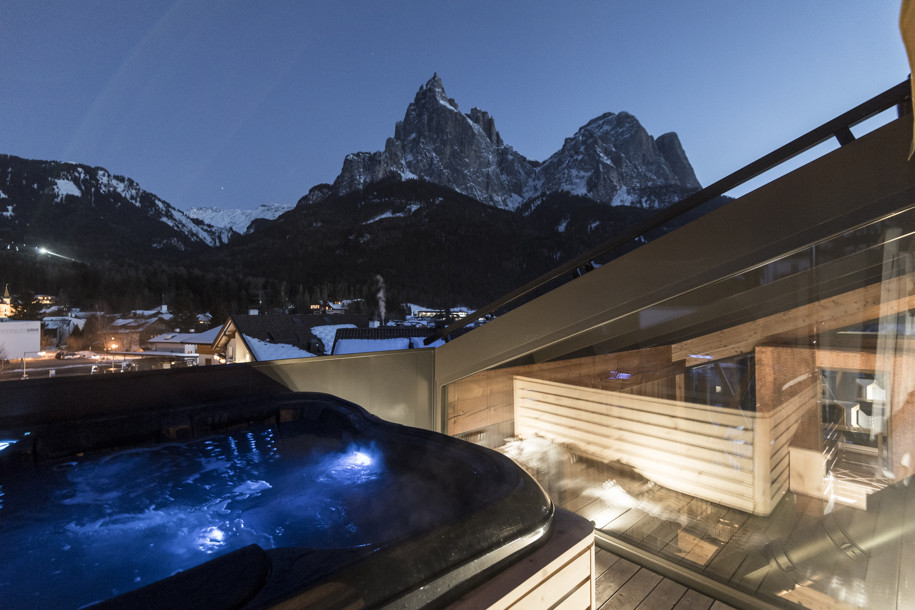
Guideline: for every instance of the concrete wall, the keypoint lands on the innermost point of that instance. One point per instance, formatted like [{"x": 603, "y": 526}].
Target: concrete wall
[{"x": 396, "y": 386}]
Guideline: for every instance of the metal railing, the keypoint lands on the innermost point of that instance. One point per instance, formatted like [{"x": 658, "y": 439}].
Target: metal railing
[{"x": 839, "y": 128}]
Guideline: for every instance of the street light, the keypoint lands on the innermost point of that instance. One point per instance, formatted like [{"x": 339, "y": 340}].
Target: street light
[
  {"x": 44, "y": 250},
  {"x": 111, "y": 346},
  {"x": 25, "y": 374}
]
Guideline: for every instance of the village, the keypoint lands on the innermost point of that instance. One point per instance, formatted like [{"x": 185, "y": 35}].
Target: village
[{"x": 60, "y": 341}]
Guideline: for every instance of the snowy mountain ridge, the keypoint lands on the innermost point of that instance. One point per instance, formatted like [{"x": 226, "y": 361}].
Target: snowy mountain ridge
[
  {"x": 52, "y": 199},
  {"x": 238, "y": 220},
  {"x": 612, "y": 159}
]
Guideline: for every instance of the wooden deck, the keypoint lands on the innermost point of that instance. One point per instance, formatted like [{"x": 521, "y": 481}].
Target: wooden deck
[
  {"x": 622, "y": 585},
  {"x": 734, "y": 547}
]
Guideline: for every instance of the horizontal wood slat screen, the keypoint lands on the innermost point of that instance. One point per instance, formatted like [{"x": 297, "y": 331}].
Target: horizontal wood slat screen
[{"x": 728, "y": 456}]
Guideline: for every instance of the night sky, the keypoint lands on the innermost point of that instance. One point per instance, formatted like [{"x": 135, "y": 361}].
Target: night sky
[{"x": 233, "y": 104}]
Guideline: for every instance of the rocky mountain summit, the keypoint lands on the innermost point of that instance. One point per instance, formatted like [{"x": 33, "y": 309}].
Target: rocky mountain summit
[{"x": 612, "y": 159}]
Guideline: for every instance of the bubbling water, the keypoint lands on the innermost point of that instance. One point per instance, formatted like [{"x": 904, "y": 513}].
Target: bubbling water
[{"x": 97, "y": 527}]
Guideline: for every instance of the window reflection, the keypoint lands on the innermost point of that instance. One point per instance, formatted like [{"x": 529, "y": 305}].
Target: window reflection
[{"x": 758, "y": 430}]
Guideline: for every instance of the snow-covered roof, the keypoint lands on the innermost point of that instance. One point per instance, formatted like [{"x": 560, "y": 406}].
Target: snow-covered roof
[
  {"x": 382, "y": 339},
  {"x": 290, "y": 329},
  {"x": 205, "y": 338},
  {"x": 358, "y": 346},
  {"x": 262, "y": 350},
  {"x": 327, "y": 333}
]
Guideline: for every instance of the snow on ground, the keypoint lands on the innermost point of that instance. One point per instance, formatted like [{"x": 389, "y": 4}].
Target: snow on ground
[
  {"x": 66, "y": 187},
  {"x": 274, "y": 351},
  {"x": 391, "y": 214}
]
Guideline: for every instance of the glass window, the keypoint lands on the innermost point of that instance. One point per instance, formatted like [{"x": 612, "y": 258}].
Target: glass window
[{"x": 761, "y": 431}]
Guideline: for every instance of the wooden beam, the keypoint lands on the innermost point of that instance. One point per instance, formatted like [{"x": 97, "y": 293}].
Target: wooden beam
[{"x": 795, "y": 325}]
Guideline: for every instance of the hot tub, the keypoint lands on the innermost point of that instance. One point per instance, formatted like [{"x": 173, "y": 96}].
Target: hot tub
[{"x": 301, "y": 499}]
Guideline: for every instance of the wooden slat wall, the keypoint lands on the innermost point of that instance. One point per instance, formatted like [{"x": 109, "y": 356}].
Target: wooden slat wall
[
  {"x": 485, "y": 399},
  {"x": 782, "y": 424},
  {"x": 728, "y": 456}
]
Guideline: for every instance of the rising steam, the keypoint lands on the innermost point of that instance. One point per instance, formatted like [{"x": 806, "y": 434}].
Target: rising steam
[{"x": 381, "y": 298}]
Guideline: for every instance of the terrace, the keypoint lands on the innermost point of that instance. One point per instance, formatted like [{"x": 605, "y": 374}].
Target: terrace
[{"x": 732, "y": 404}]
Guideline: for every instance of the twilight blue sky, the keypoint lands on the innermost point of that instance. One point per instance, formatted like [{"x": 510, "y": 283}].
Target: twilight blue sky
[{"x": 237, "y": 103}]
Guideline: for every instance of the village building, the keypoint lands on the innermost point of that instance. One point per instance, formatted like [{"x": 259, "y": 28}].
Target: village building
[
  {"x": 130, "y": 332},
  {"x": 386, "y": 338},
  {"x": 193, "y": 348},
  {"x": 19, "y": 338},
  {"x": 256, "y": 338},
  {"x": 57, "y": 329},
  {"x": 6, "y": 305}
]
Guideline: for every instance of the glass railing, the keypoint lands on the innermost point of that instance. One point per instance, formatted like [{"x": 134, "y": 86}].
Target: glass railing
[
  {"x": 695, "y": 204},
  {"x": 757, "y": 431}
]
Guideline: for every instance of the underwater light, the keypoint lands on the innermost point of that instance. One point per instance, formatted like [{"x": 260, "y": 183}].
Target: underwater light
[
  {"x": 6, "y": 443},
  {"x": 355, "y": 465},
  {"x": 210, "y": 539},
  {"x": 357, "y": 458}
]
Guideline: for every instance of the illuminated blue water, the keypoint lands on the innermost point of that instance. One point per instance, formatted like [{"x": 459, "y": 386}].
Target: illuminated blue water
[{"x": 86, "y": 530}]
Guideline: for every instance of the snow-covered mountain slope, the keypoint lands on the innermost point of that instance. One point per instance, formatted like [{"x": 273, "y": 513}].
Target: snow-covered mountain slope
[
  {"x": 612, "y": 159},
  {"x": 71, "y": 202},
  {"x": 238, "y": 220}
]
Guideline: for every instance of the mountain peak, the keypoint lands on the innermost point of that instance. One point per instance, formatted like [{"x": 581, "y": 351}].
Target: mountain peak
[
  {"x": 434, "y": 90},
  {"x": 434, "y": 83},
  {"x": 611, "y": 159}
]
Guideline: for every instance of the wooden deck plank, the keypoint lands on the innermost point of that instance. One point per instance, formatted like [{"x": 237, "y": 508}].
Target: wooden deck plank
[
  {"x": 662, "y": 536},
  {"x": 664, "y": 596},
  {"x": 665, "y": 509},
  {"x": 686, "y": 546},
  {"x": 612, "y": 580},
  {"x": 639, "y": 530},
  {"x": 584, "y": 484},
  {"x": 603, "y": 560},
  {"x": 633, "y": 592},
  {"x": 605, "y": 516},
  {"x": 580, "y": 503},
  {"x": 759, "y": 531},
  {"x": 693, "y": 600},
  {"x": 624, "y": 521},
  {"x": 730, "y": 557}
]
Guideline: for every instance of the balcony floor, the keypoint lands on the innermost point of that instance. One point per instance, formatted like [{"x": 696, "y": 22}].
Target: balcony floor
[
  {"x": 724, "y": 544},
  {"x": 622, "y": 585}
]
